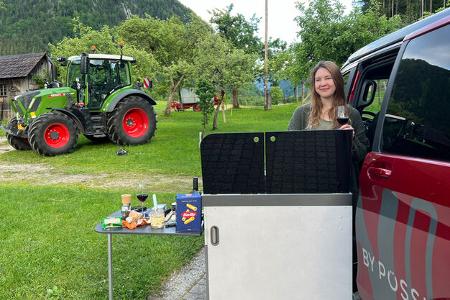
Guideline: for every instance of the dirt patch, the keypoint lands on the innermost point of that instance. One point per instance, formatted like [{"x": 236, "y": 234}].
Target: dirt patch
[
  {"x": 42, "y": 174},
  {"x": 4, "y": 146}
]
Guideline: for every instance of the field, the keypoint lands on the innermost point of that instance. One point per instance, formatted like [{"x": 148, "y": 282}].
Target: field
[{"x": 50, "y": 205}]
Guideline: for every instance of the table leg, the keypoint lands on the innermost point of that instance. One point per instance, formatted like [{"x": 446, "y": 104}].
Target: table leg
[{"x": 110, "y": 277}]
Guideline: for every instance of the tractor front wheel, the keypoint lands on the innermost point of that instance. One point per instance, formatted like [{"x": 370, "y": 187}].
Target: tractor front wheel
[
  {"x": 132, "y": 122},
  {"x": 18, "y": 143},
  {"x": 53, "y": 133}
]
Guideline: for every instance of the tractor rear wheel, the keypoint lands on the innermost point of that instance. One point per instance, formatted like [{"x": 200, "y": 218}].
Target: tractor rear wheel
[
  {"x": 18, "y": 143},
  {"x": 132, "y": 122},
  {"x": 53, "y": 133}
]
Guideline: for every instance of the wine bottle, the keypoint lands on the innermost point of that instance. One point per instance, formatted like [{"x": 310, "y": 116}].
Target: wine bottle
[{"x": 194, "y": 185}]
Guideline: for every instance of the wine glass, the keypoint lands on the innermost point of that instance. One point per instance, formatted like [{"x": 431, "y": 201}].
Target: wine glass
[
  {"x": 142, "y": 196},
  {"x": 342, "y": 114}
]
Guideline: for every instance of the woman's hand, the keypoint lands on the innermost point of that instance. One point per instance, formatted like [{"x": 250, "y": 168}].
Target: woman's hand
[{"x": 348, "y": 127}]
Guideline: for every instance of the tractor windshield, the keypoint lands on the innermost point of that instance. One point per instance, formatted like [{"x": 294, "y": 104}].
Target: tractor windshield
[
  {"x": 104, "y": 76},
  {"x": 108, "y": 74}
]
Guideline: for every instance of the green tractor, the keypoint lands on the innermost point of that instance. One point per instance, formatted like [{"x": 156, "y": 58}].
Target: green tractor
[{"x": 101, "y": 103}]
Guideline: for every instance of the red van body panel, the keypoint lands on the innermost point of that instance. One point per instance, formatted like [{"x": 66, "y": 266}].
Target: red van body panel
[{"x": 403, "y": 228}]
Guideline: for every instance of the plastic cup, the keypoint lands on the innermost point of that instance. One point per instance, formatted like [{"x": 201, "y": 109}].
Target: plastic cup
[
  {"x": 126, "y": 199},
  {"x": 157, "y": 218}
]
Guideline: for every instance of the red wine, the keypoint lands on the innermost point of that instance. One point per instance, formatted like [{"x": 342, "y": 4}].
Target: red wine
[
  {"x": 142, "y": 197},
  {"x": 342, "y": 121}
]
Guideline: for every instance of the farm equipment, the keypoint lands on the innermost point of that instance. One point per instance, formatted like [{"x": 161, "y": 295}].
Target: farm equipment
[
  {"x": 101, "y": 103},
  {"x": 188, "y": 99}
]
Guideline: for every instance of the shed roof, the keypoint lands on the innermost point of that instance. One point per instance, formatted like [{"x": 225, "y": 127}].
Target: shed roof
[{"x": 14, "y": 66}]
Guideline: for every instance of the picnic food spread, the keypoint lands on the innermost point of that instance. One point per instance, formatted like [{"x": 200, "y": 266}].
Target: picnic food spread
[
  {"x": 185, "y": 213},
  {"x": 133, "y": 217}
]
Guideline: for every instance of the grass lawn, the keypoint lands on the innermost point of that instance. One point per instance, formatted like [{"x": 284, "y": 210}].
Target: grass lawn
[{"x": 48, "y": 247}]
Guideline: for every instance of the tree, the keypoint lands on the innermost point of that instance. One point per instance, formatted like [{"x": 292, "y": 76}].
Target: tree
[
  {"x": 171, "y": 42},
  {"x": 327, "y": 34},
  {"x": 205, "y": 91},
  {"x": 224, "y": 66},
  {"x": 285, "y": 66},
  {"x": 409, "y": 10},
  {"x": 241, "y": 33},
  {"x": 86, "y": 37},
  {"x": 276, "y": 93}
]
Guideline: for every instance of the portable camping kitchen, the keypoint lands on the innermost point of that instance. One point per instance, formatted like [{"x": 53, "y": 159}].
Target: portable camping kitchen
[{"x": 278, "y": 215}]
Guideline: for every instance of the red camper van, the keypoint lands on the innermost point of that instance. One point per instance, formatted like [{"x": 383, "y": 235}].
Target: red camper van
[{"x": 401, "y": 85}]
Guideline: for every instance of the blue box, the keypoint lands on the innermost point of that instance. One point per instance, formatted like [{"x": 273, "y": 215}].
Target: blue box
[{"x": 189, "y": 213}]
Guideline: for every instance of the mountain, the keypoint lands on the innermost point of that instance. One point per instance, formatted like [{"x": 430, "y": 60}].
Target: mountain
[{"x": 29, "y": 25}]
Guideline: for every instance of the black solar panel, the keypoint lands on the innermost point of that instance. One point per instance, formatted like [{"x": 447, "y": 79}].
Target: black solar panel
[
  {"x": 308, "y": 161},
  {"x": 296, "y": 162},
  {"x": 233, "y": 163}
]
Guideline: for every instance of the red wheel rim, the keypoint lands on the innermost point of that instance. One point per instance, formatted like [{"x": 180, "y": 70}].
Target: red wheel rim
[
  {"x": 135, "y": 122},
  {"x": 57, "y": 135}
]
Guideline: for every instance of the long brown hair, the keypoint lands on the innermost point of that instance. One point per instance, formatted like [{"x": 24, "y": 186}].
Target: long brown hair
[{"x": 338, "y": 99}]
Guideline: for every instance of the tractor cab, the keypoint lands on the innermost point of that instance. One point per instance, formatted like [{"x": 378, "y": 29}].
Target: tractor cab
[{"x": 96, "y": 76}]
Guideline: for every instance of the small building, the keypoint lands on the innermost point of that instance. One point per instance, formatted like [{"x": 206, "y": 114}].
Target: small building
[{"x": 16, "y": 76}]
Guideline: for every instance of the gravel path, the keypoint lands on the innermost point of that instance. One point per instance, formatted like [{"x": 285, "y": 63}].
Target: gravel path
[{"x": 188, "y": 284}]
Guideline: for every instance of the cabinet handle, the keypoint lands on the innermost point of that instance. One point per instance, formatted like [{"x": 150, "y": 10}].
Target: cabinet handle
[{"x": 214, "y": 235}]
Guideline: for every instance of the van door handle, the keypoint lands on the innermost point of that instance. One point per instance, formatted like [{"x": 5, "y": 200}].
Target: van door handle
[{"x": 375, "y": 172}]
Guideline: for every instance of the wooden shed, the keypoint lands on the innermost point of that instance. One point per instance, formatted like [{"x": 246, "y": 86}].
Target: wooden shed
[{"x": 16, "y": 76}]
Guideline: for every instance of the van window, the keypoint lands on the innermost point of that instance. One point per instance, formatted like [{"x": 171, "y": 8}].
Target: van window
[{"x": 417, "y": 121}]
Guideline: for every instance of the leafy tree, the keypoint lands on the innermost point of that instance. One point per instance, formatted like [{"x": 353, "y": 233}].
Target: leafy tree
[
  {"x": 276, "y": 93},
  {"x": 218, "y": 62},
  {"x": 410, "y": 11},
  {"x": 241, "y": 33},
  {"x": 146, "y": 65},
  {"x": 236, "y": 29},
  {"x": 286, "y": 66},
  {"x": 172, "y": 44},
  {"x": 205, "y": 91},
  {"x": 327, "y": 34}
]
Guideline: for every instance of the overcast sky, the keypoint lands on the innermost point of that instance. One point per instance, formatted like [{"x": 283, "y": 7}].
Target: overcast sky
[{"x": 281, "y": 14}]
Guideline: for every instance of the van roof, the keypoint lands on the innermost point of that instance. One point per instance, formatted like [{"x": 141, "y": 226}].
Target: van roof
[{"x": 397, "y": 36}]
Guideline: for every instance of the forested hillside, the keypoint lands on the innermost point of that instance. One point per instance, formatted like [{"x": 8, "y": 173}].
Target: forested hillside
[
  {"x": 409, "y": 10},
  {"x": 29, "y": 25}
]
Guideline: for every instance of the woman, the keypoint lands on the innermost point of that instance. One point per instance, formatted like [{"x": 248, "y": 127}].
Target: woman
[{"x": 320, "y": 114}]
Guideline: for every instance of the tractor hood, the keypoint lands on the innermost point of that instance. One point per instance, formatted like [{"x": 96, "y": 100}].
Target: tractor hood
[
  {"x": 55, "y": 92},
  {"x": 35, "y": 100}
]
